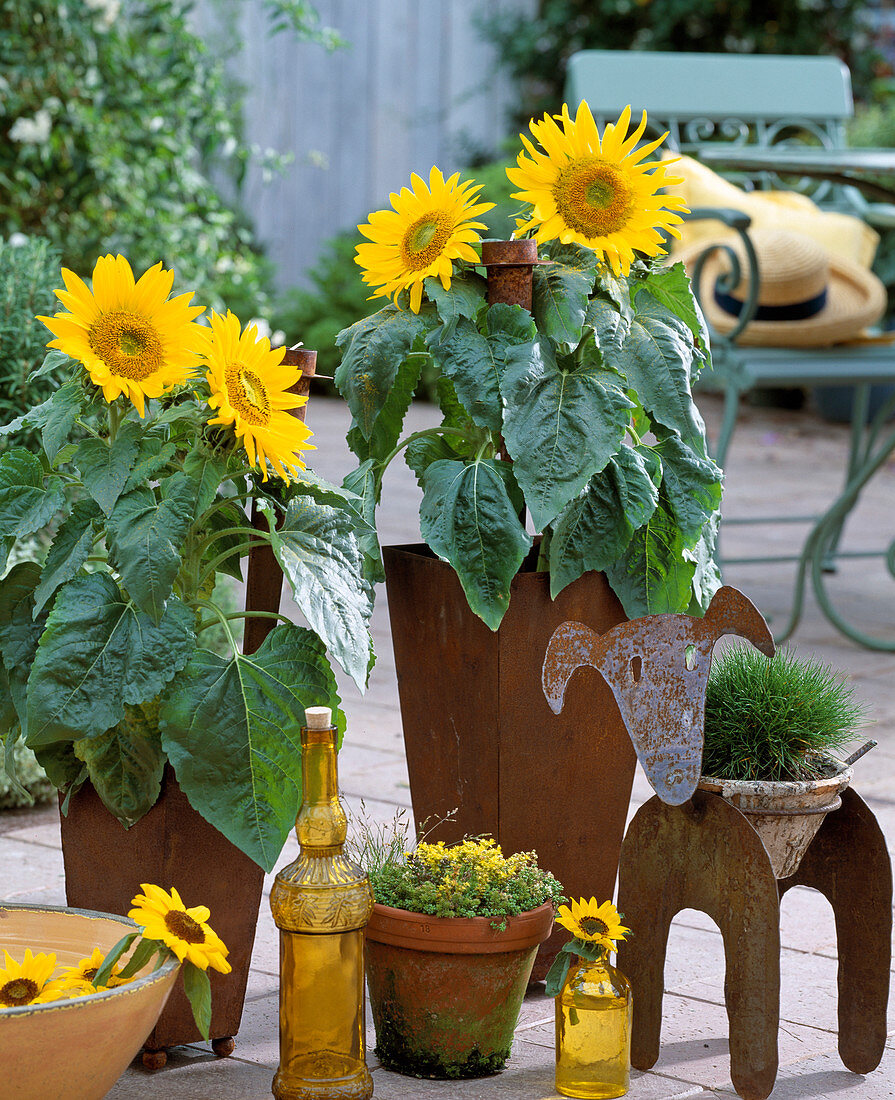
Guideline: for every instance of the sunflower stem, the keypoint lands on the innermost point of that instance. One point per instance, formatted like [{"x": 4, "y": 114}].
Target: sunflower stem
[
  {"x": 638, "y": 442},
  {"x": 222, "y": 619},
  {"x": 206, "y": 623},
  {"x": 424, "y": 434},
  {"x": 241, "y": 549},
  {"x": 115, "y": 418}
]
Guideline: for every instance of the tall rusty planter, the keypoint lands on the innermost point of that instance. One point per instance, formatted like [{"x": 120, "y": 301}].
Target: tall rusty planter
[
  {"x": 480, "y": 736},
  {"x": 172, "y": 845}
]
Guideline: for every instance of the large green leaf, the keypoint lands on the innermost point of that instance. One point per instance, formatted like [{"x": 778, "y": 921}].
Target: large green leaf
[
  {"x": 97, "y": 653},
  {"x": 561, "y": 426},
  {"x": 595, "y": 529},
  {"x": 154, "y": 454},
  {"x": 19, "y": 633},
  {"x": 671, "y": 287},
  {"x": 373, "y": 350},
  {"x": 610, "y": 329},
  {"x": 26, "y": 503},
  {"x": 64, "y": 770},
  {"x": 145, "y": 537},
  {"x": 125, "y": 765},
  {"x": 52, "y": 361},
  {"x": 692, "y": 485},
  {"x": 653, "y": 575},
  {"x": 469, "y": 520},
  {"x": 105, "y": 467},
  {"x": 365, "y": 485},
  {"x": 387, "y": 429},
  {"x": 308, "y": 484},
  {"x": 69, "y": 550},
  {"x": 231, "y": 729},
  {"x": 561, "y": 290},
  {"x": 474, "y": 361},
  {"x": 318, "y": 551},
  {"x": 656, "y": 359},
  {"x": 707, "y": 575},
  {"x": 464, "y": 298},
  {"x": 421, "y": 453},
  {"x": 229, "y": 516},
  {"x": 65, "y": 407}
]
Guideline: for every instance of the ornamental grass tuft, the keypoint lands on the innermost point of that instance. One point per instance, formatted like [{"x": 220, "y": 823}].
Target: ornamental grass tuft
[{"x": 775, "y": 720}]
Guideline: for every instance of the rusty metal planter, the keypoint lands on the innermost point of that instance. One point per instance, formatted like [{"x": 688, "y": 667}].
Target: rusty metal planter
[
  {"x": 445, "y": 992},
  {"x": 172, "y": 845},
  {"x": 480, "y": 736}
]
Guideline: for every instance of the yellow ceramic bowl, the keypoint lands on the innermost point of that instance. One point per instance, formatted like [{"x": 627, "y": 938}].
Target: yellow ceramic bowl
[{"x": 75, "y": 1049}]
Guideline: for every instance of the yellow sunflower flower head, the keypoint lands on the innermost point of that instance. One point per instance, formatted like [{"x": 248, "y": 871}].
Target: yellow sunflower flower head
[
  {"x": 23, "y": 983},
  {"x": 130, "y": 336},
  {"x": 593, "y": 923},
  {"x": 81, "y": 975},
  {"x": 163, "y": 916},
  {"x": 595, "y": 190},
  {"x": 250, "y": 390},
  {"x": 425, "y": 231}
]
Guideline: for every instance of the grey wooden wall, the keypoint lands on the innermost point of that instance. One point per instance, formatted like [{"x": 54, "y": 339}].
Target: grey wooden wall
[{"x": 416, "y": 86}]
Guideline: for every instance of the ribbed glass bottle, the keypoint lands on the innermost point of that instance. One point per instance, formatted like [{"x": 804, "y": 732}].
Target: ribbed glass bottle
[
  {"x": 321, "y": 903},
  {"x": 593, "y": 1032}
]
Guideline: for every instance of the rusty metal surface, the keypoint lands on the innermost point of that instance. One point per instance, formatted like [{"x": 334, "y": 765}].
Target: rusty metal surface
[
  {"x": 658, "y": 668},
  {"x": 480, "y": 736},
  {"x": 704, "y": 856},
  {"x": 849, "y": 864},
  {"x": 172, "y": 845},
  {"x": 264, "y": 579},
  {"x": 510, "y": 265}
]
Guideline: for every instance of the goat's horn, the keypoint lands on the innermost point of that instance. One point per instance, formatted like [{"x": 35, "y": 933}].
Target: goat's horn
[
  {"x": 730, "y": 612},
  {"x": 571, "y": 646}
]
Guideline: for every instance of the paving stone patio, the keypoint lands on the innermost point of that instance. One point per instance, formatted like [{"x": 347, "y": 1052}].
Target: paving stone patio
[{"x": 781, "y": 462}]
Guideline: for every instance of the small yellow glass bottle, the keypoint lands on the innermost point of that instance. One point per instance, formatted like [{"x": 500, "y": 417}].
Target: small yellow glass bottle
[
  {"x": 593, "y": 1032},
  {"x": 321, "y": 903}
]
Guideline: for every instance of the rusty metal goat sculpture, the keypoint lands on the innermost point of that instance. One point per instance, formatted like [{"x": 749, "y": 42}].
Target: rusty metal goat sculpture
[{"x": 658, "y": 668}]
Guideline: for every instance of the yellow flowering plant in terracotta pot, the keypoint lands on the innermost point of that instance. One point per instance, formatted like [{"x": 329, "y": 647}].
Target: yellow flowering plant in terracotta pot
[
  {"x": 578, "y": 411},
  {"x": 155, "y": 450}
]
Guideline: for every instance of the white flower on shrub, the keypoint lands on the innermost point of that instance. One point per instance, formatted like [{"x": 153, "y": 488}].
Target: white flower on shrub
[
  {"x": 17, "y": 240},
  {"x": 107, "y": 10},
  {"x": 32, "y": 131}
]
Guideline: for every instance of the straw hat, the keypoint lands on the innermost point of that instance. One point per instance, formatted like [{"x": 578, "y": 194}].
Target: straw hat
[{"x": 807, "y": 298}]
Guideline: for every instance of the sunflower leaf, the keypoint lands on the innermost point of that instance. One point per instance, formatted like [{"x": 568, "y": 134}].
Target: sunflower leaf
[
  {"x": 560, "y": 292},
  {"x": 657, "y": 360},
  {"x": 125, "y": 766},
  {"x": 69, "y": 551},
  {"x": 595, "y": 528},
  {"x": 19, "y": 633},
  {"x": 153, "y": 456},
  {"x": 231, "y": 729},
  {"x": 53, "y": 360},
  {"x": 464, "y": 298},
  {"x": 105, "y": 467},
  {"x": 469, "y": 520},
  {"x": 561, "y": 426},
  {"x": 372, "y": 351},
  {"x": 692, "y": 484},
  {"x": 671, "y": 287},
  {"x": 365, "y": 485},
  {"x": 197, "y": 987},
  {"x": 653, "y": 575},
  {"x": 143, "y": 952},
  {"x": 318, "y": 552},
  {"x": 65, "y": 407},
  {"x": 145, "y": 536},
  {"x": 101, "y": 977},
  {"x": 26, "y": 503},
  {"x": 390, "y": 420},
  {"x": 97, "y": 653}
]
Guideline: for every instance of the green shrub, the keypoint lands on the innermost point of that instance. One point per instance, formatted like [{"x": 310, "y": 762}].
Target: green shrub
[
  {"x": 29, "y": 272},
  {"x": 536, "y": 48},
  {"x": 777, "y": 719}
]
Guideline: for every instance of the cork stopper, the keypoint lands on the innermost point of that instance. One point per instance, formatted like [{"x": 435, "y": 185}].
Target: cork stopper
[{"x": 318, "y": 718}]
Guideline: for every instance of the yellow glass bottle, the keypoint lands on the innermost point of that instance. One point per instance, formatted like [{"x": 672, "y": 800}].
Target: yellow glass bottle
[
  {"x": 593, "y": 1032},
  {"x": 321, "y": 903}
]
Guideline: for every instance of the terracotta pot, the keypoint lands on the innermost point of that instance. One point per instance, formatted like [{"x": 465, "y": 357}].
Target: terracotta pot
[
  {"x": 172, "y": 845},
  {"x": 445, "y": 992},
  {"x": 481, "y": 737},
  {"x": 81, "y": 1046},
  {"x": 786, "y": 816}
]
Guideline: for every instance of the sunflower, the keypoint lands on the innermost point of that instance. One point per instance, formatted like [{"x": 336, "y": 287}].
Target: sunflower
[
  {"x": 428, "y": 228},
  {"x": 23, "y": 983},
  {"x": 75, "y": 977},
  {"x": 131, "y": 338},
  {"x": 593, "y": 923},
  {"x": 164, "y": 917},
  {"x": 594, "y": 190},
  {"x": 250, "y": 390}
]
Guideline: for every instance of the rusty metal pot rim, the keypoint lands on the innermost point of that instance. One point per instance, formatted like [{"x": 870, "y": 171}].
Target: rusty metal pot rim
[
  {"x": 459, "y": 935},
  {"x": 67, "y": 1002}
]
